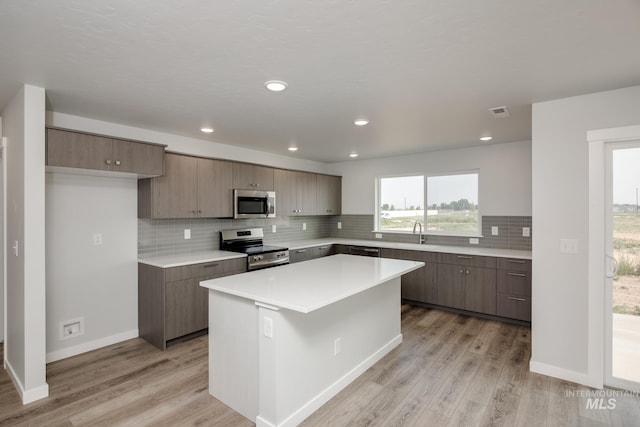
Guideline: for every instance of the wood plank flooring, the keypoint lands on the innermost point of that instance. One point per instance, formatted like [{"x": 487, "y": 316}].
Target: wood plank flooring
[{"x": 450, "y": 370}]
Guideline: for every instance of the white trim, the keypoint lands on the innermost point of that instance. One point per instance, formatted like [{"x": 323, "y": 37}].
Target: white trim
[
  {"x": 91, "y": 345},
  {"x": 26, "y": 396},
  {"x": 556, "y": 372},
  {"x": 596, "y": 279},
  {"x": 326, "y": 395}
]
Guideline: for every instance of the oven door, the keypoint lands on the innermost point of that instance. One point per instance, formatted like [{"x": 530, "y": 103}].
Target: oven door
[{"x": 254, "y": 204}]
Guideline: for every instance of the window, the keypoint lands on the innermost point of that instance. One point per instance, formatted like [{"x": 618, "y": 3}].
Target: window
[{"x": 451, "y": 207}]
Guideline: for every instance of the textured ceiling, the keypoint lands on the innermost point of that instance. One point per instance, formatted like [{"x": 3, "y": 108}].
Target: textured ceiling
[{"x": 424, "y": 72}]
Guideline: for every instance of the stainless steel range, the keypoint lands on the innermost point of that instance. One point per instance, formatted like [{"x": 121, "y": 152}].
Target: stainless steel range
[{"x": 250, "y": 241}]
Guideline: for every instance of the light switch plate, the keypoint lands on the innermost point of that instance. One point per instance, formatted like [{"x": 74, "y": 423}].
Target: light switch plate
[
  {"x": 339, "y": 225},
  {"x": 568, "y": 246},
  {"x": 267, "y": 327},
  {"x": 187, "y": 233},
  {"x": 474, "y": 241},
  {"x": 378, "y": 235},
  {"x": 494, "y": 230},
  {"x": 526, "y": 232}
]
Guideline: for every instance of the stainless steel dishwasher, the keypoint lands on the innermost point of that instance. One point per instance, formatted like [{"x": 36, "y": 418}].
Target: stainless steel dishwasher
[{"x": 364, "y": 251}]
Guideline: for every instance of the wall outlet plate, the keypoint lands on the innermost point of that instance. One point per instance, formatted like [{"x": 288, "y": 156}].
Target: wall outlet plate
[
  {"x": 474, "y": 240},
  {"x": 97, "y": 239},
  {"x": 526, "y": 232},
  {"x": 304, "y": 226},
  {"x": 273, "y": 228},
  {"x": 187, "y": 233},
  {"x": 339, "y": 225},
  {"x": 378, "y": 235},
  {"x": 494, "y": 230}
]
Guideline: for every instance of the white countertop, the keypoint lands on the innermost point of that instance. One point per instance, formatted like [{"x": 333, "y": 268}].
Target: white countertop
[
  {"x": 311, "y": 285},
  {"x": 462, "y": 250},
  {"x": 169, "y": 261}
]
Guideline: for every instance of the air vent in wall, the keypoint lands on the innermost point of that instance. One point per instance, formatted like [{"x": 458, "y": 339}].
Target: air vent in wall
[{"x": 499, "y": 112}]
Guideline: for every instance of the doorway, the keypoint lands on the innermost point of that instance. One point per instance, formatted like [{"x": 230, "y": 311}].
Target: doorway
[{"x": 622, "y": 287}]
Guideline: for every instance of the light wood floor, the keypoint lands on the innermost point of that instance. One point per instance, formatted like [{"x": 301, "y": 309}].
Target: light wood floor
[{"x": 450, "y": 370}]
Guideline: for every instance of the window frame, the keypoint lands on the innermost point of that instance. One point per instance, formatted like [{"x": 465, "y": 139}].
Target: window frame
[{"x": 425, "y": 176}]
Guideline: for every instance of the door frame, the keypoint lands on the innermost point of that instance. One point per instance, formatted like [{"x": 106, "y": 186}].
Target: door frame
[{"x": 596, "y": 346}]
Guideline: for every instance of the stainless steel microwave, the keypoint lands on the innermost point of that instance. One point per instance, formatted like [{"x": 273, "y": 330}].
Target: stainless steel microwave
[{"x": 254, "y": 204}]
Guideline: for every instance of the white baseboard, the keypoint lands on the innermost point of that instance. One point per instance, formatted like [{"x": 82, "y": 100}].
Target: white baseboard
[
  {"x": 91, "y": 345},
  {"x": 556, "y": 372},
  {"x": 27, "y": 396},
  {"x": 326, "y": 395}
]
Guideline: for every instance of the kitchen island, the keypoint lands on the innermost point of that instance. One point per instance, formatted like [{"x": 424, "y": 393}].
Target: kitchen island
[{"x": 283, "y": 341}]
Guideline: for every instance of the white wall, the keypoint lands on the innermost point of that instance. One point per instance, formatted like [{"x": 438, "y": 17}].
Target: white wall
[
  {"x": 23, "y": 125},
  {"x": 560, "y": 210},
  {"x": 181, "y": 144},
  {"x": 504, "y": 186},
  {"x": 96, "y": 283},
  {"x": 2, "y": 241}
]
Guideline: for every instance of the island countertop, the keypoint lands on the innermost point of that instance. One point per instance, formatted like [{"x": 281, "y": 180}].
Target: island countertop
[{"x": 308, "y": 286}]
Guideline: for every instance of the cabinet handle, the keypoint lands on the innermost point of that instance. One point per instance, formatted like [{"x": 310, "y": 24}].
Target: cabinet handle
[
  {"x": 210, "y": 265},
  {"x": 322, "y": 247},
  {"x": 517, "y": 274},
  {"x": 199, "y": 211},
  {"x": 193, "y": 212},
  {"x": 513, "y": 261},
  {"x": 301, "y": 251},
  {"x": 465, "y": 257},
  {"x": 467, "y": 271},
  {"x": 517, "y": 299},
  {"x": 371, "y": 250},
  {"x": 107, "y": 162},
  {"x": 117, "y": 162}
]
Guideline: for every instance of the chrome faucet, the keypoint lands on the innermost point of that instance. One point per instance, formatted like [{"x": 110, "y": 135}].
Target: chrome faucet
[{"x": 421, "y": 236}]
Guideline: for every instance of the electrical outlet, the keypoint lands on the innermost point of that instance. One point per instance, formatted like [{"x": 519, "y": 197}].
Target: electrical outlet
[
  {"x": 339, "y": 225},
  {"x": 474, "y": 241},
  {"x": 97, "y": 239},
  {"x": 273, "y": 228},
  {"x": 71, "y": 328},
  {"x": 267, "y": 327},
  {"x": 378, "y": 235},
  {"x": 337, "y": 346},
  {"x": 494, "y": 230},
  {"x": 187, "y": 233},
  {"x": 304, "y": 226},
  {"x": 526, "y": 232}
]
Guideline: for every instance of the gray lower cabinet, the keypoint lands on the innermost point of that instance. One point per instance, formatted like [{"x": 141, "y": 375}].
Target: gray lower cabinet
[
  {"x": 419, "y": 285},
  {"x": 514, "y": 289},
  {"x": 467, "y": 282},
  {"x": 171, "y": 302},
  {"x": 306, "y": 254}
]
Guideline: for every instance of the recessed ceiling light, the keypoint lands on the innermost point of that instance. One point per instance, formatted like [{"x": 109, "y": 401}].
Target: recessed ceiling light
[
  {"x": 293, "y": 148},
  {"x": 361, "y": 122},
  {"x": 354, "y": 155},
  {"x": 206, "y": 130},
  {"x": 275, "y": 85},
  {"x": 486, "y": 138}
]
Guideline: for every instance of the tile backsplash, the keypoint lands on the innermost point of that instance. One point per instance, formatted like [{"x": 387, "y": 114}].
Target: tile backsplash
[{"x": 160, "y": 237}]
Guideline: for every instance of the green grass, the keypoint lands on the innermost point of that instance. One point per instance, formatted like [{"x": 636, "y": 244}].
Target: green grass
[
  {"x": 628, "y": 267},
  {"x": 620, "y": 309},
  {"x": 444, "y": 221}
]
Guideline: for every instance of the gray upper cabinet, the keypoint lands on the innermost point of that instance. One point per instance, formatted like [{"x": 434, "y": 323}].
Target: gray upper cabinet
[
  {"x": 71, "y": 149},
  {"x": 247, "y": 176},
  {"x": 296, "y": 193},
  {"x": 329, "y": 195},
  {"x": 192, "y": 187}
]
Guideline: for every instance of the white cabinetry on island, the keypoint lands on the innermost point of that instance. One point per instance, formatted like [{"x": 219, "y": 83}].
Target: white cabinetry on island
[{"x": 283, "y": 341}]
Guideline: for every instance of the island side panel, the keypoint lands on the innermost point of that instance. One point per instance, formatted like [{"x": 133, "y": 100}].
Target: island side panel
[
  {"x": 299, "y": 370},
  {"x": 233, "y": 352}
]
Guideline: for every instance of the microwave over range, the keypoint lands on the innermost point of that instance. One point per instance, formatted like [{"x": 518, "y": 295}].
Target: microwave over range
[{"x": 254, "y": 204}]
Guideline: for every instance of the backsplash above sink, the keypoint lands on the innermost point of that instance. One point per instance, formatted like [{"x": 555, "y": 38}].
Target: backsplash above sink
[{"x": 161, "y": 237}]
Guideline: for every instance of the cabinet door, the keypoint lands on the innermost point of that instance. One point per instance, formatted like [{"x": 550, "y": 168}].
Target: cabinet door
[
  {"x": 78, "y": 150},
  {"x": 174, "y": 193},
  {"x": 480, "y": 289},
  {"x": 252, "y": 177},
  {"x": 306, "y": 192},
  {"x": 451, "y": 289},
  {"x": 329, "y": 192},
  {"x": 137, "y": 157},
  {"x": 215, "y": 188},
  {"x": 186, "y": 307},
  {"x": 418, "y": 285},
  {"x": 286, "y": 196}
]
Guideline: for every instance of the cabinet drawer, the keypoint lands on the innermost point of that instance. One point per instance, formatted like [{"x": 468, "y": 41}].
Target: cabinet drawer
[
  {"x": 514, "y": 264},
  {"x": 208, "y": 269},
  {"x": 514, "y": 282},
  {"x": 514, "y": 306},
  {"x": 467, "y": 260}
]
